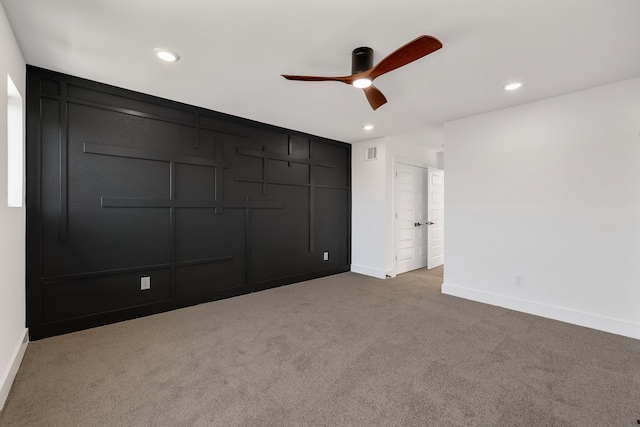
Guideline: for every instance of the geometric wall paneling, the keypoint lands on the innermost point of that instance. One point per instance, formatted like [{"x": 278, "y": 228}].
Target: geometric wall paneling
[
  {"x": 200, "y": 242},
  {"x": 122, "y": 185},
  {"x": 289, "y": 228},
  {"x": 310, "y": 163},
  {"x": 101, "y": 293}
]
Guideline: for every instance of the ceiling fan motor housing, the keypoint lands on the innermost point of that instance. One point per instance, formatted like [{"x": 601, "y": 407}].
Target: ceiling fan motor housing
[{"x": 361, "y": 59}]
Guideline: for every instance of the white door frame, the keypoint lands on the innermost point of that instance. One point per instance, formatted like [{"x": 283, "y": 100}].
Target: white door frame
[
  {"x": 391, "y": 224},
  {"x": 435, "y": 218}
]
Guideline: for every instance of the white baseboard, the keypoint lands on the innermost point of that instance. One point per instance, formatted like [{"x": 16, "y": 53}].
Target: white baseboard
[
  {"x": 6, "y": 381},
  {"x": 368, "y": 271},
  {"x": 589, "y": 320}
]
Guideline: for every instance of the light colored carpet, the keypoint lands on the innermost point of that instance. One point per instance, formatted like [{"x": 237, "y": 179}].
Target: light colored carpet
[{"x": 345, "y": 350}]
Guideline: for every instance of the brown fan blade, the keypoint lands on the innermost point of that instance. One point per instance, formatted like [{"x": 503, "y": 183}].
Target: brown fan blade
[
  {"x": 415, "y": 49},
  {"x": 344, "y": 79},
  {"x": 375, "y": 97}
]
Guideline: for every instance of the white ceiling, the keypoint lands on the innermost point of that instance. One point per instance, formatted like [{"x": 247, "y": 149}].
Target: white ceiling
[{"x": 233, "y": 52}]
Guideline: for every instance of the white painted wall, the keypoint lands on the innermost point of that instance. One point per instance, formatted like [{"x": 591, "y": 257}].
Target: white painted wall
[
  {"x": 372, "y": 197},
  {"x": 440, "y": 157},
  {"x": 550, "y": 191},
  {"x": 368, "y": 209},
  {"x": 12, "y": 227}
]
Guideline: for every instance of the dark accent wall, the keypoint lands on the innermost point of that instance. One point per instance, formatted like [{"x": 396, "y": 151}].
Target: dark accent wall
[{"x": 122, "y": 185}]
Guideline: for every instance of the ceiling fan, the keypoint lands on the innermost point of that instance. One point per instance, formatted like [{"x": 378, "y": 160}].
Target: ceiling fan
[{"x": 363, "y": 72}]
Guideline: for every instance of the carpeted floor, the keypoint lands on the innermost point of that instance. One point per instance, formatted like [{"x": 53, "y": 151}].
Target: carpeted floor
[{"x": 345, "y": 350}]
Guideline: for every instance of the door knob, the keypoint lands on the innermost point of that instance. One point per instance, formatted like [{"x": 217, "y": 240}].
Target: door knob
[
  {"x": 429, "y": 223},
  {"x": 416, "y": 224}
]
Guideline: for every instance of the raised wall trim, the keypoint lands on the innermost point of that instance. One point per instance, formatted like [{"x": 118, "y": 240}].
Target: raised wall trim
[
  {"x": 368, "y": 271},
  {"x": 126, "y": 189},
  {"x": 10, "y": 371},
  {"x": 589, "y": 320}
]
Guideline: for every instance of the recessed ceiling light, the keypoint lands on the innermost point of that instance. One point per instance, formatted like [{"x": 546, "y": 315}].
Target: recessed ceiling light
[
  {"x": 166, "y": 55},
  {"x": 512, "y": 86},
  {"x": 367, "y": 127},
  {"x": 362, "y": 83}
]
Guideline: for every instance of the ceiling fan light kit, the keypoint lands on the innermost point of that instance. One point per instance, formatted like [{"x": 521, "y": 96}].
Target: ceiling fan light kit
[
  {"x": 363, "y": 72},
  {"x": 362, "y": 83}
]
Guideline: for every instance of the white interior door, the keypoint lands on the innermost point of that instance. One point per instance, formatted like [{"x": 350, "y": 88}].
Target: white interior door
[
  {"x": 411, "y": 215},
  {"x": 435, "y": 218}
]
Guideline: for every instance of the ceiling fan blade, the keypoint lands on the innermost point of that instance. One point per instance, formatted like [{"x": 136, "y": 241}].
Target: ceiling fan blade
[
  {"x": 343, "y": 79},
  {"x": 415, "y": 49},
  {"x": 375, "y": 97}
]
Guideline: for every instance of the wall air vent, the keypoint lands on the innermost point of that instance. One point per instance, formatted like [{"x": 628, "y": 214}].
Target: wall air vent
[{"x": 371, "y": 153}]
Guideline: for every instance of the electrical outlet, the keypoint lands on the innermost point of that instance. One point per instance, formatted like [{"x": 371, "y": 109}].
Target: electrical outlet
[
  {"x": 145, "y": 283},
  {"x": 519, "y": 280},
  {"x": 326, "y": 256}
]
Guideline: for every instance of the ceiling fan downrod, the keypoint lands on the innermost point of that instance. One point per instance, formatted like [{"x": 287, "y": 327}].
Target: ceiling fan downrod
[{"x": 361, "y": 59}]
